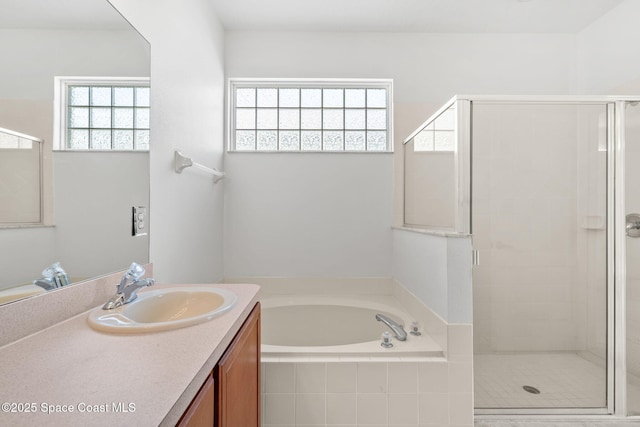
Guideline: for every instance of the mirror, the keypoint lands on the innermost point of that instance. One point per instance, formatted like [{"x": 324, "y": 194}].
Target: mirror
[{"x": 88, "y": 196}]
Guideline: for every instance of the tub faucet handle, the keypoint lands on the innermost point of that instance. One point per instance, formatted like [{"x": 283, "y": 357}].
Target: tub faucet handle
[
  {"x": 415, "y": 329},
  {"x": 386, "y": 340}
]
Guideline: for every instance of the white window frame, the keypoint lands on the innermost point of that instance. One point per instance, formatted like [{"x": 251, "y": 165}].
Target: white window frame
[
  {"x": 234, "y": 83},
  {"x": 60, "y": 99}
]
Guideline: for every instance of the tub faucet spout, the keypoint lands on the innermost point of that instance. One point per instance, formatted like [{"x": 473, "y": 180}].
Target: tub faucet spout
[{"x": 396, "y": 328}]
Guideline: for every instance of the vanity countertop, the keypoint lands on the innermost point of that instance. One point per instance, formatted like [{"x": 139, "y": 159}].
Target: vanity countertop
[{"x": 87, "y": 378}]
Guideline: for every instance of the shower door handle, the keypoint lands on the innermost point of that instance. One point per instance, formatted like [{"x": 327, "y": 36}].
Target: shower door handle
[
  {"x": 633, "y": 225},
  {"x": 475, "y": 257}
]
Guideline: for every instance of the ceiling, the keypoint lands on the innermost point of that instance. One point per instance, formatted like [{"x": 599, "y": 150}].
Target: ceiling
[
  {"x": 431, "y": 16},
  {"x": 60, "y": 14}
]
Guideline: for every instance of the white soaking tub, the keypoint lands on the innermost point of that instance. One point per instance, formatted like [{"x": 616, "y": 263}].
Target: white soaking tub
[{"x": 337, "y": 327}]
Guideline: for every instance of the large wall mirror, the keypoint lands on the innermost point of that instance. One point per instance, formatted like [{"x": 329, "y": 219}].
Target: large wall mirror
[{"x": 89, "y": 195}]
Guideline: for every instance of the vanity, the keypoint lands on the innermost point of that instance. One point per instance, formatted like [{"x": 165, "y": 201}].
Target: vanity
[{"x": 70, "y": 374}]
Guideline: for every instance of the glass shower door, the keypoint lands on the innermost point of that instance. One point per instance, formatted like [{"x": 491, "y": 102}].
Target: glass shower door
[
  {"x": 632, "y": 201},
  {"x": 539, "y": 222}
]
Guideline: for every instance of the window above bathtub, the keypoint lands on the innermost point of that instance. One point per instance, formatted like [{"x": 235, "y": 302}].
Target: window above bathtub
[
  {"x": 101, "y": 114},
  {"x": 302, "y": 115}
]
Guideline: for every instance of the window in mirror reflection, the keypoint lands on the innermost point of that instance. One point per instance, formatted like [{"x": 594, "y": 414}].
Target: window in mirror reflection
[
  {"x": 104, "y": 114},
  {"x": 439, "y": 135}
]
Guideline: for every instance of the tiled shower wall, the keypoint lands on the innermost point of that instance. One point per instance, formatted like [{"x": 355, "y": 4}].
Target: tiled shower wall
[{"x": 437, "y": 392}]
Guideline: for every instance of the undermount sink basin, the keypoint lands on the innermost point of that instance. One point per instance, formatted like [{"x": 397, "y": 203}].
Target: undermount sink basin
[{"x": 164, "y": 309}]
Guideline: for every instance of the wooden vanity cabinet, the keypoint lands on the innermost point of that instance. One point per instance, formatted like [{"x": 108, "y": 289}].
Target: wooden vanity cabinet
[
  {"x": 200, "y": 411},
  {"x": 237, "y": 378},
  {"x": 230, "y": 397}
]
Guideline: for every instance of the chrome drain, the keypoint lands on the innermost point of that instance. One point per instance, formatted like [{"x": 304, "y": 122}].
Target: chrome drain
[{"x": 531, "y": 389}]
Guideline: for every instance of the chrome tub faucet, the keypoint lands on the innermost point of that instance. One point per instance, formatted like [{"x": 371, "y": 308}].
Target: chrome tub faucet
[{"x": 396, "y": 328}]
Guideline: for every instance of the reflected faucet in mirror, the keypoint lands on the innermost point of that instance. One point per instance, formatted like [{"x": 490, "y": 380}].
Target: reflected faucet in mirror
[{"x": 53, "y": 277}]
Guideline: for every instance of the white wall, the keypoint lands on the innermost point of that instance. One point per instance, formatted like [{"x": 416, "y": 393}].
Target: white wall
[
  {"x": 187, "y": 95},
  {"x": 323, "y": 215},
  {"x": 437, "y": 270},
  {"x": 427, "y": 70},
  {"x": 31, "y": 58},
  {"x": 607, "y": 59}
]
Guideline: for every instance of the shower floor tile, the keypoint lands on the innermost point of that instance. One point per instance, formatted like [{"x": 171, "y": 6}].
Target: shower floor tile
[{"x": 564, "y": 380}]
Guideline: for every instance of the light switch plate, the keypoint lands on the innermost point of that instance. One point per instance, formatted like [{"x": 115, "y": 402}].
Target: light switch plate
[{"x": 139, "y": 221}]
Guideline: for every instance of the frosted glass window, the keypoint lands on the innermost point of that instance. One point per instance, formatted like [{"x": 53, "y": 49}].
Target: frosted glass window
[
  {"x": 354, "y": 119},
  {"x": 332, "y": 119},
  {"x": 376, "y": 141},
  {"x": 100, "y": 139},
  {"x": 267, "y": 118},
  {"x": 377, "y": 119},
  {"x": 376, "y": 98},
  {"x": 267, "y": 140},
  {"x": 311, "y": 141},
  {"x": 316, "y": 116},
  {"x": 332, "y": 98},
  {"x": 289, "y": 119},
  {"x": 123, "y": 96},
  {"x": 101, "y": 96},
  {"x": 311, "y": 97},
  {"x": 332, "y": 141},
  {"x": 142, "y": 118},
  {"x": 354, "y": 98},
  {"x": 123, "y": 118},
  {"x": 245, "y": 118},
  {"x": 78, "y": 117},
  {"x": 354, "y": 141},
  {"x": 123, "y": 140},
  {"x": 141, "y": 139},
  {"x": 290, "y": 140},
  {"x": 78, "y": 139},
  {"x": 100, "y": 117},
  {"x": 106, "y": 115},
  {"x": 289, "y": 98},
  {"x": 245, "y": 140},
  {"x": 246, "y": 97},
  {"x": 143, "y": 98},
  {"x": 79, "y": 95},
  {"x": 267, "y": 97},
  {"x": 311, "y": 119}
]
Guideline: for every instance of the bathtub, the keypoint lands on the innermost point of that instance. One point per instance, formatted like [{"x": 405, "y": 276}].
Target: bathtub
[{"x": 300, "y": 327}]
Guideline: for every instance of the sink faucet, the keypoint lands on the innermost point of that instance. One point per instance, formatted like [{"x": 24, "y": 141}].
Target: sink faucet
[
  {"x": 397, "y": 329},
  {"x": 128, "y": 287}
]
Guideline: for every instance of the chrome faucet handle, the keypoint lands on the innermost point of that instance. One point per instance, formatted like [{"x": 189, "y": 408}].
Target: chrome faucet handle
[
  {"x": 131, "y": 290},
  {"x": 128, "y": 287},
  {"x": 135, "y": 272}
]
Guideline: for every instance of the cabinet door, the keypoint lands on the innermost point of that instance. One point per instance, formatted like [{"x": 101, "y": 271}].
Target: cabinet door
[
  {"x": 200, "y": 411},
  {"x": 237, "y": 377}
]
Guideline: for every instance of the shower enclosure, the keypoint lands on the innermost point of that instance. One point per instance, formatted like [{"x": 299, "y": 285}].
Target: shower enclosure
[{"x": 541, "y": 184}]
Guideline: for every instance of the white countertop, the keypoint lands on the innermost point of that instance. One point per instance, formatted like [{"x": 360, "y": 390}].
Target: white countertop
[{"x": 152, "y": 376}]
